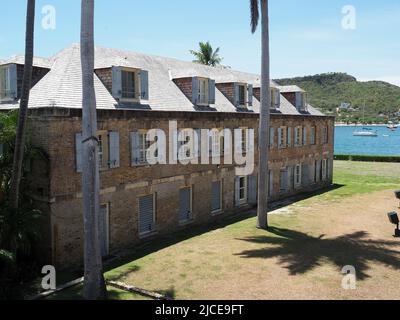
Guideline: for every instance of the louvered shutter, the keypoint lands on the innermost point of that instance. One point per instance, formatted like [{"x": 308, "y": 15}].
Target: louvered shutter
[
  {"x": 252, "y": 189},
  {"x": 195, "y": 90},
  {"x": 237, "y": 191},
  {"x": 278, "y": 99},
  {"x": 304, "y": 136},
  {"x": 236, "y": 94},
  {"x": 185, "y": 204},
  {"x": 114, "y": 149},
  {"x": 117, "y": 82},
  {"x": 144, "y": 84},
  {"x": 216, "y": 196},
  {"x": 211, "y": 91},
  {"x": 13, "y": 94},
  {"x": 250, "y": 94},
  {"x": 271, "y": 137},
  {"x": 78, "y": 151},
  {"x": 135, "y": 148},
  {"x": 146, "y": 214},
  {"x": 298, "y": 101}
]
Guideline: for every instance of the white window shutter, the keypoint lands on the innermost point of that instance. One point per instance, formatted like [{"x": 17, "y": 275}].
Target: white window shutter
[
  {"x": 135, "y": 148},
  {"x": 113, "y": 141},
  {"x": 252, "y": 190},
  {"x": 271, "y": 137},
  {"x": 298, "y": 101},
  {"x": 250, "y": 94},
  {"x": 117, "y": 82},
  {"x": 13, "y": 81},
  {"x": 236, "y": 94},
  {"x": 278, "y": 99},
  {"x": 195, "y": 90},
  {"x": 78, "y": 151},
  {"x": 144, "y": 85},
  {"x": 211, "y": 91}
]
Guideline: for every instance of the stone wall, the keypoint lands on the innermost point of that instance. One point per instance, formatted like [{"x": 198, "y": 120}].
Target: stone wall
[{"x": 121, "y": 187}]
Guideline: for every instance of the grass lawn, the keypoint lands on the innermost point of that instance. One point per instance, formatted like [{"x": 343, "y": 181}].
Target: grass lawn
[{"x": 300, "y": 257}]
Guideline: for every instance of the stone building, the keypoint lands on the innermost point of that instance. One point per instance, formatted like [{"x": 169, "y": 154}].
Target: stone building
[{"x": 136, "y": 93}]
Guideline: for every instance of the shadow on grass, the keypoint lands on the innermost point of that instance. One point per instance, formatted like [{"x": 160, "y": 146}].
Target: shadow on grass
[
  {"x": 300, "y": 252},
  {"x": 162, "y": 242}
]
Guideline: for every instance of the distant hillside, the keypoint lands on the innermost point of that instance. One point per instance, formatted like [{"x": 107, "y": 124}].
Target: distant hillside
[{"x": 327, "y": 91}]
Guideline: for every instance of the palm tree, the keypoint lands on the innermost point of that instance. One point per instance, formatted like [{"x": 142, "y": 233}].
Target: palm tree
[
  {"x": 94, "y": 284},
  {"x": 23, "y": 107},
  {"x": 206, "y": 55},
  {"x": 262, "y": 221}
]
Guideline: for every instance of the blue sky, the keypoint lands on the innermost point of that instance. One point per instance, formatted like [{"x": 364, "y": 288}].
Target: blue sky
[{"x": 306, "y": 35}]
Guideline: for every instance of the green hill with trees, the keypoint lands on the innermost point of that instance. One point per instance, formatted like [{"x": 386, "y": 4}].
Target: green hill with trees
[{"x": 327, "y": 91}]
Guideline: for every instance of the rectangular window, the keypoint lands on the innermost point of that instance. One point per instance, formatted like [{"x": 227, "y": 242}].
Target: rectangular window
[
  {"x": 102, "y": 136},
  {"x": 243, "y": 190},
  {"x": 289, "y": 137},
  {"x": 297, "y": 175},
  {"x": 312, "y": 136},
  {"x": 130, "y": 85},
  {"x": 216, "y": 197},
  {"x": 203, "y": 91},
  {"x": 4, "y": 82},
  {"x": 185, "y": 204},
  {"x": 146, "y": 214},
  {"x": 242, "y": 95},
  {"x": 325, "y": 135},
  {"x": 144, "y": 145}
]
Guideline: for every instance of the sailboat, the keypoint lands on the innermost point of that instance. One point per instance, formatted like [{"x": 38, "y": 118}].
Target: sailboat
[{"x": 365, "y": 132}]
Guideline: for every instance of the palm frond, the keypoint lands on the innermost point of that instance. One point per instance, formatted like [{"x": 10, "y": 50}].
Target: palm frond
[{"x": 255, "y": 15}]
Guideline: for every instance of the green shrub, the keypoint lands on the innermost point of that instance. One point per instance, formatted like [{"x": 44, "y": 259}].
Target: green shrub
[{"x": 366, "y": 158}]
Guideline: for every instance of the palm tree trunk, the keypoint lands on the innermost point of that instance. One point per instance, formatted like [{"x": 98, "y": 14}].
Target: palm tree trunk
[
  {"x": 23, "y": 108},
  {"x": 94, "y": 285},
  {"x": 264, "y": 120}
]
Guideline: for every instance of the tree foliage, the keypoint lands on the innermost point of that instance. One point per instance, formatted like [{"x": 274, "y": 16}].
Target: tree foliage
[
  {"x": 207, "y": 55},
  {"x": 327, "y": 91}
]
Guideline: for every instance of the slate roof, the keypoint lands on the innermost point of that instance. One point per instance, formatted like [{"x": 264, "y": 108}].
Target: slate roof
[{"x": 62, "y": 85}]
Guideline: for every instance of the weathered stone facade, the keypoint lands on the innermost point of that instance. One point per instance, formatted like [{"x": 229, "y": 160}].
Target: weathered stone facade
[{"x": 58, "y": 186}]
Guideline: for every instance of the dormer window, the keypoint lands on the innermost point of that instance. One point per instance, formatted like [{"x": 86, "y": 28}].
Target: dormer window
[
  {"x": 301, "y": 101},
  {"x": 275, "y": 98},
  {"x": 243, "y": 95},
  {"x": 8, "y": 82},
  {"x": 130, "y": 81},
  {"x": 203, "y": 91},
  {"x": 129, "y": 84}
]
